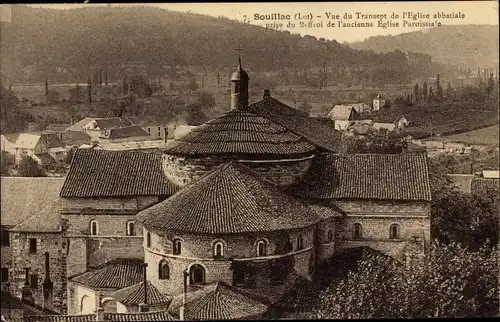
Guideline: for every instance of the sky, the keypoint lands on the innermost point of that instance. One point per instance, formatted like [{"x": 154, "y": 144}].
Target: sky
[{"x": 470, "y": 12}]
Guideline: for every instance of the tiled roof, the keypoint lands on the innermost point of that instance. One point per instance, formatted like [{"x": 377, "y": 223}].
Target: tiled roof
[
  {"x": 482, "y": 185},
  {"x": 146, "y": 316},
  {"x": 45, "y": 158},
  {"x": 117, "y": 273},
  {"x": 134, "y": 295},
  {"x": 75, "y": 138},
  {"x": 132, "y": 146},
  {"x": 24, "y": 197},
  {"x": 240, "y": 132},
  {"x": 98, "y": 173},
  {"x": 11, "y": 137},
  {"x": 51, "y": 140},
  {"x": 80, "y": 124},
  {"x": 341, "y": 112},
  {"x": 231, "y": 199},
  {"x": 46, "y": 220},
  {"x": 27, "y": 141},
  {"x": 219, "y": 301},
  {"x": 62, "y": 318},
  {"x": 367, "y": 176},
  {"x": 315, "y": 131},
  {"x": 127, "y": 132},
  {"x": 113, "y": 122}
]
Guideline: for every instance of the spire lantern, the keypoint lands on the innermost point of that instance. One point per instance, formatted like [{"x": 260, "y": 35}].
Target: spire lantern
[{"x": 239, "y": 86}]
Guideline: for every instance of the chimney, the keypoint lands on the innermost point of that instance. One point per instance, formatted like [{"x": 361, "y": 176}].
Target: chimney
[
  {"x": 143, "y": 307},
  {"x": 72, "y": 120},
  {"x": 267, "y": 93},
  {"x": 472, "y": 168},
  {"x": 48, "y": 286},
  {"x": 26, "y": 294},
  {"x": 165, "y": 132}
]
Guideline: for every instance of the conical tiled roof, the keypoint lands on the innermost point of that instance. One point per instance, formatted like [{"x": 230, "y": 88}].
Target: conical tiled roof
[
  {"x": 231, "y": 199},
  {"x": 134, "y": 295},
  {"x": 219, "y": 301},
  {"x": 240, "y": 132}
]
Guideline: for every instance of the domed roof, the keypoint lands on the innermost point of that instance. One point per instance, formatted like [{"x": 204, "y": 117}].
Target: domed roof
[
  {"x": 231, "y": 199},
  {"x": 240, "y": 132}
]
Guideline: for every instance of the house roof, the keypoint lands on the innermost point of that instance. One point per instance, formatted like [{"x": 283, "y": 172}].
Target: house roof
[
  {"x": 27, "y": 141},
  {"x": 341, "y": 112},
  {"x": 113, "y": 122},
  {"x": 75, "y": 138},
  {"x": 11, "y": 137},
  {"x": 131, "y": 146},
  {"x": 117, "y": 274},
  {"x": 231, "y": 199},
  {"x": 134, "y": 295},
  {"x": 240, "y": 132},
  {"x": 46, "y": 220},
  {"x": 62, "y": 318},
  {"x": 319, "y": 133},
  {"x": 218, "y": 301},
  {"x": 9, "y": 302},
  {"x": 491, "y": 174},
  {"x": 127, "y": 132},
  {"x": 80, "y": 124},
  {"x": 146, "y": 316},
  {"x": 45, "y": 158},
  {"x": 483, "y": 185},
  {"x": 367, "y": 176},
  {"x": 387, "y": 126},
  {"x": 57, "y": 127},
  {"x": 24, "y": 197},
  {"x": 99, "y": 173}
]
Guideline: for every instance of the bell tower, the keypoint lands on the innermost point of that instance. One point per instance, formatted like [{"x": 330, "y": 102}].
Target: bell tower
[{"x": 239, "y": 86}]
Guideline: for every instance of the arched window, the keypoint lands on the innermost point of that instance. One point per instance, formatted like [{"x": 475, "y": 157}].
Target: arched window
[
  {"x": 163, "y": 270},
  {"x": 130, "y": 228},
  {"x": 218, "y": 250},
  {"x": 300, "y": 242},
  {"x": 357, "y": 231},
  {"x": 94, "y": 228},
  {"x": 394, "y": 231},
  {"x": 330, "y": 236},
  {"x": 148, "y": 239},
  {"x": 196, "y": 275},
  {"x": 177, "y": 246},
  {"x": 261, "y": 248}
]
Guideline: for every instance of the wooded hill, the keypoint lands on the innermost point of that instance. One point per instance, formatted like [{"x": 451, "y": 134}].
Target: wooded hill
[
  {"x": 470, "y": 46},
  {"x": 67, "y": 45}
]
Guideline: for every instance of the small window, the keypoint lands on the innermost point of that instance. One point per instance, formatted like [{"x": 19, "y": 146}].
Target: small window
[
  {"x": 218, "y": 250},
  {"x": 4, "y": 235},
  {"x": 148, "y": 239},
  {"x": 330, "y": 236},
  {"x": 94, "y": 228},
  {"x": 5, "y": 274},
  {"x": 149, "y": 130},
  {"x": 163, "y": 270},
  {"x": 33, "y": 246},
  {"x": 177, "y": 247},
  {"x": 300, "y": 242},
  {"x": 394, "y": 231},
  {"x": 261, "y": 248},
  {"x": 34, "y": 281},
  {"x": 130, "y": 228},
  {"x": 357, "y": 231}
]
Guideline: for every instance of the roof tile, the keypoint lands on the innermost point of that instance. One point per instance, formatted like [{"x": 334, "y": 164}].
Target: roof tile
[
  {"x": 134, "y": 295},
  {"x": 117, "y": 273}
]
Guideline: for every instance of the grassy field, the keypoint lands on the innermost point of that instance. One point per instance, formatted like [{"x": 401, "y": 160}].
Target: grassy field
[{"x": 485, "y": 136}]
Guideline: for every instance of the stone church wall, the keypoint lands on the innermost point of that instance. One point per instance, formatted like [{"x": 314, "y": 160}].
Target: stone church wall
[{"x": 46, "y": 242}]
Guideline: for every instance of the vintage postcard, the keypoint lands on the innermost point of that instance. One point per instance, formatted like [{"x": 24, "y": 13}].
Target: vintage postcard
[{"x": 234, "y": 161}]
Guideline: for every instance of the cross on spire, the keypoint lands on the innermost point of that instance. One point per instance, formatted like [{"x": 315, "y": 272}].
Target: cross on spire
[{"x": 239, "y": 49}]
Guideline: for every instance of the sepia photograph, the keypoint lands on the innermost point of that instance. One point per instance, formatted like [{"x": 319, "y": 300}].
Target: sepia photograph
[{"x": 249, "y": 161}]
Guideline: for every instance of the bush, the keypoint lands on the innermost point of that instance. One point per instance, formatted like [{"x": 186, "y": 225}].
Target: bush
[{"x": 28, "y": 167}]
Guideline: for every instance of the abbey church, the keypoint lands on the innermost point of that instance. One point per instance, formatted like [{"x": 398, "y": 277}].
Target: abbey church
[{"x": 222, "y": 223}]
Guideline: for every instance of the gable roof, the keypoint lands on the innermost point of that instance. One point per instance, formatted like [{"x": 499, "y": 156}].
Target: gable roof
[
  {"x": 127, "y": 132},
  {"x": 99, "y": 173},
  {"x": 240, "y": 132},
  {"x": 75, "y": 138},
  {"x": 342, "y": 112},
  {"x": 134, "y": 295},
  {"x": 117, "y": 273},
  {"x": 23, "y": 197},
  {"x": 80, "y": 124},
  {"x": 11, "y": 137},
  {"x": 62, "y": 318},
  {"x": 141, "y": 316},
  {"x": 51, "y": 140},
  {"x": 491, "y": 174},
  {"x": 27, "y": 141},
  {"x": 231, "y": 199},
  {"x": 218, "y": 301},
  {"x": 46, "y": 220},
  {"x": 319, "y": 133},
  {"x": 367, "y": 176},
  {"x": 113, "y": 122}
]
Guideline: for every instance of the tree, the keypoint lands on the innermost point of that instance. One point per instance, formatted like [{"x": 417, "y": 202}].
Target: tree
[
  {"x": 375, "y": 141},
  {"x": 195, "y": 115},
  {"x": 7, "y": 161},
  {"x": 449, "y": 91},
  {"x": 424, "y": 92},
  {"x": 192, "y": 85},
  {"x": 453, "y": 281},
  {"x": 52, "y": 97},
  {"x": 77, "y": 94},
  {"x": 416, "y": 93},
  {"x": 205, "y": 100},
  {"x": 430, "y": 96},
  {"x": 28, "y": 167},
  {"x": 439, "y": 89}
]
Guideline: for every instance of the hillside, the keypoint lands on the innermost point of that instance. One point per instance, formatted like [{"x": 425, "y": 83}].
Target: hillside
[
  {"x": 470, "y": 46},
  {"x": 68, "y": 44}
]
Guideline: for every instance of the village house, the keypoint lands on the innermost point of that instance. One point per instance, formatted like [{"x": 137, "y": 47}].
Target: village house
[
  {"x": 378, "y": 103},
  {"x": 230, "y": 216},
  {"x": 132, "y": 133},
  {"x": 8, "y": 142},
  {"x": 98, "y": 127},
  {"x": 388, "y": 123},
  {"x": 477, "y": 183},
  {"x": 343, "y": 116},
  {"x": 155, "y": 127},
  {"x": 45, "y": 148}
]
